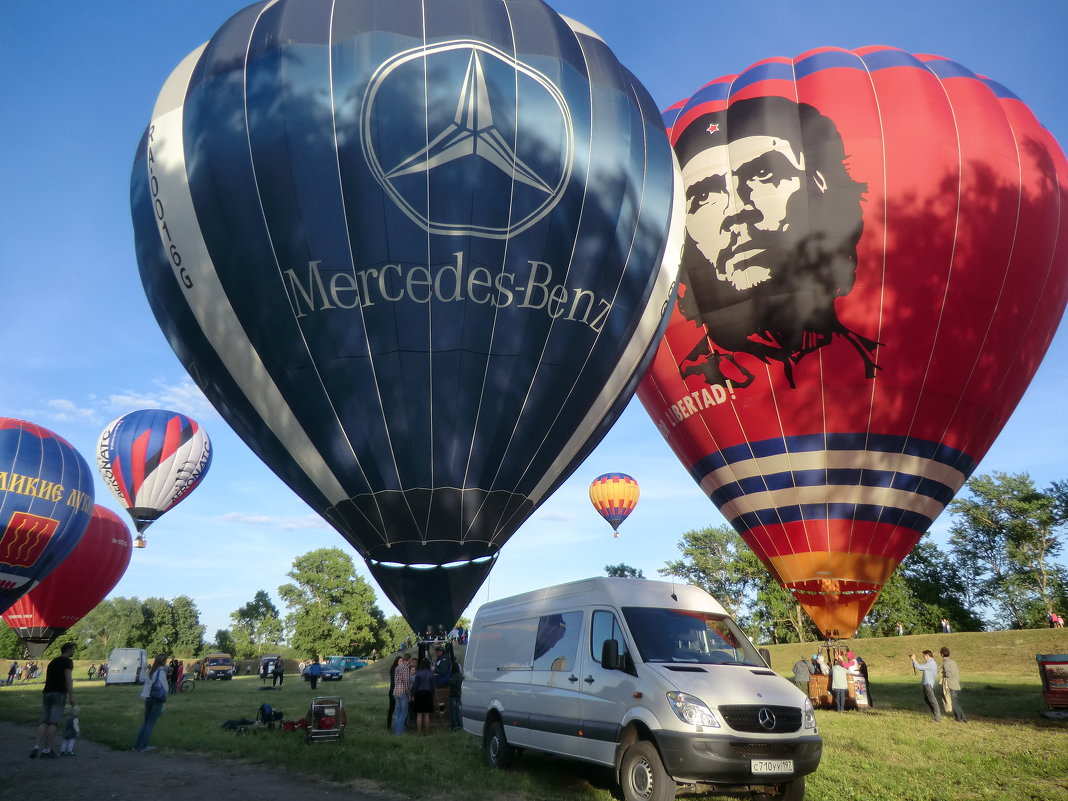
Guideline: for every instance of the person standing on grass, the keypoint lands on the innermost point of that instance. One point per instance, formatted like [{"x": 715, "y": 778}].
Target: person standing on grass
[
  {"x": 951, "y": 682},
  {"x": 423, "y": 685},
  {"x": 928, "y": 675},
  {"x": 314, "y": 671},
  {"x": 456, "y": 683},
  {"x": 802, "y": 673},
  {"x": 155, "y": 694},
  {"x": 839, "y": 684},
  {"x": 402, "y": 687},
  {"x": 392, "y": 699},
  {"x": 279, "y": 673},
  {"x": 58, "y": 691}
]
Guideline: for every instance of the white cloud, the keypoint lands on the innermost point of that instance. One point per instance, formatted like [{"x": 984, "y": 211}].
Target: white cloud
[
  {"x": 67, "y": 411},
  {"x": 184, "y": 397},
  {"x": 269, "y": 521}
]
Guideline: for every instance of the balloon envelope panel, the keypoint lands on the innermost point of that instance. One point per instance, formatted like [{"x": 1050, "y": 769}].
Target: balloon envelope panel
[
  {"x": 416, "y": 254},
  {"x": 151, "y": 460},
  {"x": 73, "y": 589},
  {"x": 46, "y": 500},
  {"x": 874, "y": 266}
]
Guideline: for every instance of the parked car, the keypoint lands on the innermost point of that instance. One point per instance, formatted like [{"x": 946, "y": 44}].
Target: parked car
[
  {"x": 328, "y": 672},
  {"x": 218, "y": 666},
  {"x": 347, "y": 663}
]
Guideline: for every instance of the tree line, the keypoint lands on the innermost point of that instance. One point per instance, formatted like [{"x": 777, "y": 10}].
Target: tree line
[
  {"x": 1000, "y": 571},
  {"x": 330, "y": 610}
]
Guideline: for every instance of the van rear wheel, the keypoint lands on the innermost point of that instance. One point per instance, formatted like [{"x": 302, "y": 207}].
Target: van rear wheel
[
  {"x": 643, "y": 776},
  {"x": 499, "y": 753}
]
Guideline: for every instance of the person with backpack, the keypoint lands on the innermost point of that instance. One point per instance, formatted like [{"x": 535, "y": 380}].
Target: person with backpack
[{"x": 155, "y": 694}]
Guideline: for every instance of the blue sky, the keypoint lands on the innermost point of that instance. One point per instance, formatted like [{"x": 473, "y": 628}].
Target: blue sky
[{"x": 80, "y": 345}]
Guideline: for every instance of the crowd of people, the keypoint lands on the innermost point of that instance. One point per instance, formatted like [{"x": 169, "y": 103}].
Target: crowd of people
[
  {"x": 23, "y": 672},
  {"x": 842, "y": 664},
  {"x": 414, "y": 685},
  {"x": 949, "y": 684}
]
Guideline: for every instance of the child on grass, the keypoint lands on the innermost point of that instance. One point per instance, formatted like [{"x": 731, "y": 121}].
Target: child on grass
[{"x": 70, "y": 732}]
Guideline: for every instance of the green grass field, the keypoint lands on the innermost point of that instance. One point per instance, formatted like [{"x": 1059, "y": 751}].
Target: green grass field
[{"x": 1009, "y": 752}]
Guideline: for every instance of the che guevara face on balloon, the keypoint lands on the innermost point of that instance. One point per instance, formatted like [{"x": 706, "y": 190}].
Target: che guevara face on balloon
[{"x": 773, "y": 219}]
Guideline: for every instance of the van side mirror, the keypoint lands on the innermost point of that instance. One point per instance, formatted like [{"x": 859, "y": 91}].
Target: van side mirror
[
  {"x": 610, "y": 655},
  {"x": 765, "y": 654}
]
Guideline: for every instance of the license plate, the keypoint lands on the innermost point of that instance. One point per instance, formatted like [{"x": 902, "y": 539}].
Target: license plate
[{"x": 764, "y": 766}]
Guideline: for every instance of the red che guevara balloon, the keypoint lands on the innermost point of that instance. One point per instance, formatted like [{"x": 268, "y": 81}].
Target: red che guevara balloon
[
  {"x": 875, "y": 264},
  {"x": 73, "y": 589}
]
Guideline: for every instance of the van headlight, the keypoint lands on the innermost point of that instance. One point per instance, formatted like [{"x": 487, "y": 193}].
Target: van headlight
[
  {"x": 810, "y": 715},
  {"x": 691, "y": 709}
]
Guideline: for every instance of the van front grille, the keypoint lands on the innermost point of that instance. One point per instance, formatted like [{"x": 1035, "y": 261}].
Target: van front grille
[
  {"x": 762, "y": 718},
  {"x": 765, "y": 750}
]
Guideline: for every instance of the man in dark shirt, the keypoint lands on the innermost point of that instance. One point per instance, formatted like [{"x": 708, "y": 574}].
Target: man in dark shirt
[{"x": 58, "y": 691}]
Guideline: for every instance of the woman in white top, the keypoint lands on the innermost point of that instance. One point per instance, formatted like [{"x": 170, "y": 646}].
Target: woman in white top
[{"x": 155, "y": 694}]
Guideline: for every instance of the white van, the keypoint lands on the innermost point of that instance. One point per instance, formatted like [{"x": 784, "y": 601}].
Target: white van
[
  {"x": 127, "y": 666},
  {"x": 650, "y": 678}
]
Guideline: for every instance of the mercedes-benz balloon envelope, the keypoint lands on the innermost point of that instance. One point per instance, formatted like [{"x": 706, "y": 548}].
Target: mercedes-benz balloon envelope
[
  {"x": 874, "y": 265},
  {"x": 417, "y": 255}
]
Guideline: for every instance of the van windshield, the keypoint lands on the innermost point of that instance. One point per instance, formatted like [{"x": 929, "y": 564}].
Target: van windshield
[
  {"x": 676, "y": 635},
  {"x": 216, "y": 660}
]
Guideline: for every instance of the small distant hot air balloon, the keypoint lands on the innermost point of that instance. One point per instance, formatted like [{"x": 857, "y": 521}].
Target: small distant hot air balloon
[
  {"x": 422, "y": 276},
  {"x": 151, "y": 460},
  {"x": 614, "y": 496},
  {"x": 73, "y": 589},
  {"x": 46, "y": 500},
  {"x": 876, "y": 260}
]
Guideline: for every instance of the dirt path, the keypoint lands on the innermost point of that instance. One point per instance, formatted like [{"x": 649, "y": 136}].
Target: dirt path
[{"x": 99, "y": 773}]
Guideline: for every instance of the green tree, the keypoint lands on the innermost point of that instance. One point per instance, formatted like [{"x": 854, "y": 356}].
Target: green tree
[
  {"x": 10, "y": 644},
  {"x": 719, "y": 562},
  {"x": 224, "y": 642},
  {"x": 1009, "y": 531},
  {"x": 623, "y": 571},
  {"x": 172, "y": 627},
  {"x": 333, "y": 609},
  {"x": 776, "y": 617},
  {"x": 114, "y": 623},
  {"x": 257, "y": 627},
  {"x": 397, "y": 632},
  {"x": 189, "y": 633}
]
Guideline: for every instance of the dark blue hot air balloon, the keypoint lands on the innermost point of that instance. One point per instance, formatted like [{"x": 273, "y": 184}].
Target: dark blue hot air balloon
[
  {"x": 417, "y": 255},
  {"x": 46, "y": 502}
]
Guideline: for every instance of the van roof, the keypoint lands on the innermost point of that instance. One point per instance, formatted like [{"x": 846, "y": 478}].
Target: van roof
[{"x": 605, "y": 590}]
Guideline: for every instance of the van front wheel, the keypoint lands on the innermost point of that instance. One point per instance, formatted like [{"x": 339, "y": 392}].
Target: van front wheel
[
  {"x": 643, "y": 775},
  {"x": 498, "y": 752}
]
